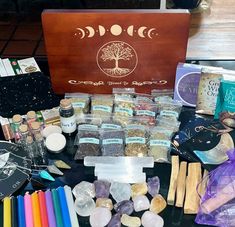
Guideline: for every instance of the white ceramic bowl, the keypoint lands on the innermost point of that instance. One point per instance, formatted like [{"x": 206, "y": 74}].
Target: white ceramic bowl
[{"x": 55, "y": 142}]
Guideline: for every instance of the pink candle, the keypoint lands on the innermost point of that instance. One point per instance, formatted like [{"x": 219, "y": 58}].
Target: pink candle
[{"x": 28, "y": 210}]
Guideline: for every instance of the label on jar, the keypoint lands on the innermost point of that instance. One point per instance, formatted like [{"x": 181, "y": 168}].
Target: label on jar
[
  {"x": 110, "y": 126},
  {"x": 169, "y": 113},
  {"x": 68, "y": 124},
  {"x": 145, "y": 112},
  {"x": 164, "y": 143},
  {"x": 87, "y": 127},
  {"x": 112, "y": 141},
  {"x": 78, "y": 104},
  {"x": 140, "y": 140},
  {"x": 102, "y": 108},
  {"x": 89, "y": 140},
  {"x": 124, "y": 110}
]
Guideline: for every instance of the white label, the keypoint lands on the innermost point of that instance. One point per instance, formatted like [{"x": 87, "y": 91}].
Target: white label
[
  {"x": 124, "y": 110},
  {"x": 164, "y": 143},
  {"x": 102, "y": 108},
  {"x": 145, "y": 112},
  {"x": 87, "y": 126},
  {"x": 139, "y": 127},
  {"x": 110, "y": 126},
  {"x": 78, "y": 104},
  {"x": 68, "y": 124},
  {"x": 169, "y": 113},
  {"x": 89, "y": 140},
  {"x": 112, "y": 141},
  {"x": 140, "y": 140}
]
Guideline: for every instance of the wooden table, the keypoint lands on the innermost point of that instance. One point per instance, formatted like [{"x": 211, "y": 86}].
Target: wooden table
[{"x": 212, "y": 33}]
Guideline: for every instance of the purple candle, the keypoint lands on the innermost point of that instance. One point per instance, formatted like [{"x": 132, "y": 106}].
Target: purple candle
[{"x": 50, "y": 209}]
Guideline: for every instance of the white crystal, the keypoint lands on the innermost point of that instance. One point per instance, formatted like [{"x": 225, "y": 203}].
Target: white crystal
[
  {"x": 120, "y": 191},
  {"x": 84, "y": 188},
  {"x": 84, "y": 205},
  {"x": 141, "y": 202},
  {"x": 150, "y": 219},
  {"x": 100, "y": 217}
]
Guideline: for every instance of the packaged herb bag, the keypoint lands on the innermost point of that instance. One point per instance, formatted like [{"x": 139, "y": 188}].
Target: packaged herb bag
[
  {"x": 226, "y": 98},
  {"x": 218, "y": 203},
  {"x": 208, "y": 90}
]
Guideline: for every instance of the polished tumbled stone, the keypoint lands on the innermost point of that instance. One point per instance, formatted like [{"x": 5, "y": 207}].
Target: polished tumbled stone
[
  {"x": 102, "y": 188},
  {"x": 124, "y": 207},
  {"x": 84, "y": 205},
  {"x": 120, "y": 191},
  {"x": 100, "y": 217},
  {"x": 84, "y": 187},
  {"x": 153, "y": 185},
  {"x": 141, "y": 202},
  {"x": 158, "y": 204},
  {"x": 130, "y": 221},
  {"x": 139, "y": 189},
  {"x": 150, "y": 219},
  {"x": 104, "y": 202},
  {"x": 115, "y": 221}
]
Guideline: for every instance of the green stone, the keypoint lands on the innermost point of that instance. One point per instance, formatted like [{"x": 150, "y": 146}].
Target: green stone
[
  {"x": 61, "y": 164},
  {"x": 45, "y": 175}
]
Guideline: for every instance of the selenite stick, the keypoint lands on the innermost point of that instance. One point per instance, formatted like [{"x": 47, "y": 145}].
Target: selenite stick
[
  {"x": 64, "y": 207},
  {"x": 70, "y": 202},
  {"x": 50, "y": 209},
  {"x": 21, "y": 211},
  {"x": 56, "y": 202},
  {"x": 43, "y": 208},
  {"x": 7, "y": 212},
  {"x": 28, "y": 210}
]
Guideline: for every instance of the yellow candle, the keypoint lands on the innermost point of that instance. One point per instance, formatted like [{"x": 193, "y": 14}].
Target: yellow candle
[
  {"x": 36, "y": 210},
  {"x": 7, "y": 212}
]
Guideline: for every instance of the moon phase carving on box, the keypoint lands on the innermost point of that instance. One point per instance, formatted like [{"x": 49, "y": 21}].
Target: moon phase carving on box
[{"x": 96, "y": 50}]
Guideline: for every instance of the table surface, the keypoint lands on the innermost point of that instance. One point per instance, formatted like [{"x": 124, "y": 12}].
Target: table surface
[{"x": 212, "y": 33}]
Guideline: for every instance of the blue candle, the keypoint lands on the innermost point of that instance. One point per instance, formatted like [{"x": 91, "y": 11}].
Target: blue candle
[
  {"x": 21, "y": 211},
  {"x": 64, "y": 207}
]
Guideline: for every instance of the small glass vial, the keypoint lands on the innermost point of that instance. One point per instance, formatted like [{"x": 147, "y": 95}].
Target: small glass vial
[
  {"x": 31, "y": 148},
  {"x": 17, "y": 121},
  {"x": 41, "y": 151},
  {"x": 67, "y": 117},
  {"x": 31, "y": 117},
  {"x": 24, "y": 132},
  {"x": 35, "y": 128}
]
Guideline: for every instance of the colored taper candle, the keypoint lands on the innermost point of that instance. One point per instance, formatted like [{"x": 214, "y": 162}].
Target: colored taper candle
[
  {"x": 56, "y": 203},
  {"x": 20, "y": 210},
  {"x": 36, "y": 210},
  {"x": 7, "y": 212},
  {"x": 50, "y": 209},
  {"x": 43, "y": 208},
  {"x": 70, "y": 202},
  {"x": 28, "y": 210},
  {"x": 14, "y": 212},
  {"x": 64, "y": 207}
]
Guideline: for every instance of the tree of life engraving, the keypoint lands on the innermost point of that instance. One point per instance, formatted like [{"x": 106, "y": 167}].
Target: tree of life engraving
[{"x": 116, "y": 51}]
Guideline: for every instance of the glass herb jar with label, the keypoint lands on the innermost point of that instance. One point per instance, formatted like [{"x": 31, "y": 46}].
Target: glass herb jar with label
[{"x": 67, "y": 117}]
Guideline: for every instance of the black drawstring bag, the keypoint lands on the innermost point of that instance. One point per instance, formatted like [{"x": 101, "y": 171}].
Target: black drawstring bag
[{"x": 22, "y": 93}]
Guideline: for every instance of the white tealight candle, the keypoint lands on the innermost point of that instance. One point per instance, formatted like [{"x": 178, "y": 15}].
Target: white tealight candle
[{"x": 70, "y": 202}]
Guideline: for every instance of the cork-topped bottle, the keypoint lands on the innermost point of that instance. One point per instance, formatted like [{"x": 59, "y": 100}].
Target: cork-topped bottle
[
  {"x": 17, "y": 121},
  {"x": 67, "y": 117}
]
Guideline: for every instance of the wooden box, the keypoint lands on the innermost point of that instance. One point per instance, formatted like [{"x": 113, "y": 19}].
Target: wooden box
[{"x": 95, "y": 50}]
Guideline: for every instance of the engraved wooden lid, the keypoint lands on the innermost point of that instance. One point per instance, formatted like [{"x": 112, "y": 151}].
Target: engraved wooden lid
[
  {"x": 35, "y": 125},
  {"x": 17, "y": 118},
  {"x": 23, "y": 128},
  {"x": 65, "y": 103},
  {"x": 31, "y": 114}
]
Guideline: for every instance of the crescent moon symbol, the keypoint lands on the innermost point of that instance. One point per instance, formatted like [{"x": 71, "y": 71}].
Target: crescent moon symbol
[
  {"x": 91, "y": 31},
  {"x": 141, "y": 31},
  {"x": 149, "y": 32},
  {"x": 130, "y": 30},
  {"x": 101, "y": 30},
  {"x": 82, "y": 31},
  {"x": 217, "y": 154}
]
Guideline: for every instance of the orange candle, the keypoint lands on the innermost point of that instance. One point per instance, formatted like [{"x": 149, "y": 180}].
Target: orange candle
[{"x": 36, "y": 210}]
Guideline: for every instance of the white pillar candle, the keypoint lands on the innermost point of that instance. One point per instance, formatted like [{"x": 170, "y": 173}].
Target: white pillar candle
[{"x": 70, "y": 202}]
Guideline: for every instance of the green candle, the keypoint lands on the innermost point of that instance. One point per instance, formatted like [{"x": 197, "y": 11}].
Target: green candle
[{"x": 56, "y": 203}]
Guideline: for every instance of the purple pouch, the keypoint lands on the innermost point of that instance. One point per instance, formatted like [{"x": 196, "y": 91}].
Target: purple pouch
[{"x": 218, "y": 204}]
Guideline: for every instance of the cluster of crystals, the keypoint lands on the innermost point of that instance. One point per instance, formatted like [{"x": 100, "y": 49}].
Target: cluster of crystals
[{"x": 128, "y": 198}]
